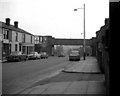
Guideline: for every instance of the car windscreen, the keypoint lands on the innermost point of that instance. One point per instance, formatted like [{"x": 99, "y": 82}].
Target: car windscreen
[
  {"x": 44, "y": 53},
  {"x": 75, "y": 52}
]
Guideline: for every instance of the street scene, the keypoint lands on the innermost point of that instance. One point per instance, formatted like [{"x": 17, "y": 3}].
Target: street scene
[
  {"x": 54, "y": 47},
  {"x": 38, "y": 74},
  {"x": 27, "y": 72}
]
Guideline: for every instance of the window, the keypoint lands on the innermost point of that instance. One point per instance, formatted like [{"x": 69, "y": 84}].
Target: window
[
  {"x": 5, "y": 34},
  {"x": 31, "y": 39},
  {"x": 15, "y": 47},
  {"x": 44, "y": 40},
  {"x": 24, "y": 49},
  {"x": 23, "y": 37},
  {"x": 36, "y": 38},
  {"x": 40, "y": 39},
  {"x": 19, "y": 47},
  {"x": 16, "y": 37}
]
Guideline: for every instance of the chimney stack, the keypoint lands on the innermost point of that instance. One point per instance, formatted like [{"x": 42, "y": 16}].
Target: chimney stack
[
  {"x": 8, "y": 21},
  {"x": 16, "y": 24}
]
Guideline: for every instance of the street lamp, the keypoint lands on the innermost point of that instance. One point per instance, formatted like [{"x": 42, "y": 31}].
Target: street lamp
[{"x": 84, "y": 29}]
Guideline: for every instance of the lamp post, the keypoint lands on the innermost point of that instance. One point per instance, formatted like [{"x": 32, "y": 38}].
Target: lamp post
[{"x": 84, "y": 43}]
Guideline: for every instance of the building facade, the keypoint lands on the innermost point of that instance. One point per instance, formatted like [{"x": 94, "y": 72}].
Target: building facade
[
  {"x": 44, "y": 44},
  {"x": 1, "y": 36},
  {"x": 15, "y": 39},
  {"x": 103, "y": 51}
]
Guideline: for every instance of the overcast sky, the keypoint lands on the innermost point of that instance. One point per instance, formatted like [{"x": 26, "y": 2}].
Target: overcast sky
[{"x": 56, "y": 17}]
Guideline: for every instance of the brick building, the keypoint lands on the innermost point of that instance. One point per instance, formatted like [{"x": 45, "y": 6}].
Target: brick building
[
  {"x": 103, "y": 50},
  {"x": 44, "y": 44},
  {"x": 15, "y": 38},
  {"x": 0, "y": 43}
]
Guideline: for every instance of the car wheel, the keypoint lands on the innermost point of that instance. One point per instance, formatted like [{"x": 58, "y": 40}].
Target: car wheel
[
  {"x": 19, "y": 59},
  {"x": 26, "y": 58}
]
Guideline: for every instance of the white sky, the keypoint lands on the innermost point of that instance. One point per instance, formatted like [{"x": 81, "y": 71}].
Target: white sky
[{"x": 56, "y": 17}]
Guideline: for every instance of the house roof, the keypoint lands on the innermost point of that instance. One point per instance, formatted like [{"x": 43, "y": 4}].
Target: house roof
[{"x": 14, "y": 28}]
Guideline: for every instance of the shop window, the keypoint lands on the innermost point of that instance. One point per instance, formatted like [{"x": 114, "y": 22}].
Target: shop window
[{"x": 24, "y": 49}]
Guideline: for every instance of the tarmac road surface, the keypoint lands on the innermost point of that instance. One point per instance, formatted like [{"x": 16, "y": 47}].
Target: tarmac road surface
[{"x": 20, "y": 75}]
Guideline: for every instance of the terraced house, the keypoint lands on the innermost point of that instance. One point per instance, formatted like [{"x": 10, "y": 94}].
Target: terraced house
[
  {"x": 15, "y": 38},
  {"x": 1, "y": 42}
]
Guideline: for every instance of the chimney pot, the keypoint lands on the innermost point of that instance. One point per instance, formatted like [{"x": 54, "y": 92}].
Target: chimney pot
[
  {"x": 8, "y": 21},
  {"x": 16, "y": 24}
]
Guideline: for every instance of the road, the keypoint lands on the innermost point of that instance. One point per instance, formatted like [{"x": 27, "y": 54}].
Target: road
[{"x": 20, "y": 75}]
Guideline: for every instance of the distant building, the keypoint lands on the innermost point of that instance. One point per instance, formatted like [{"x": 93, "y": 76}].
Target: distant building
[
  {"x": 38, "y": 39},
  {"x": 38, "y": 43},
  {"x": 44, "y": 44},
  {"x": 15, "y": 39}
]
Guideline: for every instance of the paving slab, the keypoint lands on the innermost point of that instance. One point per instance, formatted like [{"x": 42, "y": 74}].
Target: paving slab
[
  {"x": 88, "y": 65},
  {"x": 57, "y": 87},
  {"x": 96, "y": 87},
  {"x": 37, "y": 89},
  {"x": 76, "y": 87},
  {"x": 79, "y": 87}
]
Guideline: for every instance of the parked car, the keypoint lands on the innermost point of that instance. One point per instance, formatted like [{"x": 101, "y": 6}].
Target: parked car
[
  {"x": 74, "y": 55},
  {"x": 44, "y": 55},
  {"x": 16, "y": 56},
  {"x": 34, "y": 55}
]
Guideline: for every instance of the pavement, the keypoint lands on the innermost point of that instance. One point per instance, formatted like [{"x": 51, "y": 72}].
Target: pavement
[
  {"x": 0, "y": 78},
  {"x": 69, "y": 82},
  {"x": 0, "y": 61},
  {"x": 4, "y": 60}
]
